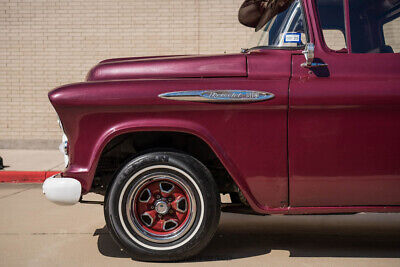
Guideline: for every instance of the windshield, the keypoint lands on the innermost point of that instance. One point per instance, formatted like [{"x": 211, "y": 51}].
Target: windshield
[{"x": 284, "y": 30}]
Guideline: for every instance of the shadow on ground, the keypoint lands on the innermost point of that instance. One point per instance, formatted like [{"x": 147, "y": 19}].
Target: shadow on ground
[{"x": 241, "y": 236}]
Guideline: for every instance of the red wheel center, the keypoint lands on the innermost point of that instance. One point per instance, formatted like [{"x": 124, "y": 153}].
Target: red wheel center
[{"x": 161, "y": 207}]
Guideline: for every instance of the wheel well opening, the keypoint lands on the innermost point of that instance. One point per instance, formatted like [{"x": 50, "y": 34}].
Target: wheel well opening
[{"x": 126, "y": 146}]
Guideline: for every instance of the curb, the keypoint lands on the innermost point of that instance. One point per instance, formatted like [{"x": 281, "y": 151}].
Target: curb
[{"x": 25, "y": 176}]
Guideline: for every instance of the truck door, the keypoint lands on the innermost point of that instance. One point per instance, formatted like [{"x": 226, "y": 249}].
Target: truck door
[{"x": 344, "y": 117}]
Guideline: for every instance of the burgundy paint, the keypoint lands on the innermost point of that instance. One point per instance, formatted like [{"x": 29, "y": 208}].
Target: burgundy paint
[
  {"x": 94, "y": 113},
  {"x": 171, "y": 67},
  {"x": 347, "y": 23},
  {"x": 344, "y": 145},
  {"x": 342, "y": 129},
  {"x": 110, "y": 60}
]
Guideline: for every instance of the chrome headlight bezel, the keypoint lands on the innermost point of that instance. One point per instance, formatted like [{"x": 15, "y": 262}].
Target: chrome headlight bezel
[{"x": 63, "y": 147}]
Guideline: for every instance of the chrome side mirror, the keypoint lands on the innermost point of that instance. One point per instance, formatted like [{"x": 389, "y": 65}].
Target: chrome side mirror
[{"x": 308, "y": 53}]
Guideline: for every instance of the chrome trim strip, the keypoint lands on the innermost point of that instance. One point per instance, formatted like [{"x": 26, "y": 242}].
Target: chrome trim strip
[{"x": 224, "y": 96}]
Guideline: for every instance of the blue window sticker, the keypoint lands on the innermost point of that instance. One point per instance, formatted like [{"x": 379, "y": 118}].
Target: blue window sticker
[{"x": 292, "y": 37}]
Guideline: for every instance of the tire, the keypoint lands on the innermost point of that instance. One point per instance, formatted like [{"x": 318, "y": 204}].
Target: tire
[{"x": 162, "y": 206}]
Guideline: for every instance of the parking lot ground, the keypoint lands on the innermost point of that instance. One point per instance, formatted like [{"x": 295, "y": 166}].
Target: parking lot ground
[
  {"x": 32, "y": 160},
  {"x": 35, "y": 232},
  {"x": 24, "y": 165}
]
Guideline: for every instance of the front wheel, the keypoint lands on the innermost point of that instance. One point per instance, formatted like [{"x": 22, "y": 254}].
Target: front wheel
[{"x": 162, "y": 206}]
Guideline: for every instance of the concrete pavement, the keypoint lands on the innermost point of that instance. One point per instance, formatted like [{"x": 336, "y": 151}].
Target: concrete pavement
[
  {"x": 23, "y": 165},
  {"x": 32, "y": 160},
  {"x": 35, "y": 232}
]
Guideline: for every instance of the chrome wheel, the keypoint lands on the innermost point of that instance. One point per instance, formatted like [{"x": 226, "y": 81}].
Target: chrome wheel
[{"x": 160, "y": 207}]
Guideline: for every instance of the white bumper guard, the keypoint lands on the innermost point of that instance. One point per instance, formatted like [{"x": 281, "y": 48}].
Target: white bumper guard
[{"x": 62, "y": 191}]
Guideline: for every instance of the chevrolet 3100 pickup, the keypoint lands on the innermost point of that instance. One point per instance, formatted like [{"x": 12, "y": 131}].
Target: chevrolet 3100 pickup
[{"x": 301, "y": 123}]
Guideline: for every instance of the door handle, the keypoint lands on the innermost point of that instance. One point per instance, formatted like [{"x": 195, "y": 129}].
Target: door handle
[
  {"x": 309, "y": 55},
  {"x": 313, "y": 65}
]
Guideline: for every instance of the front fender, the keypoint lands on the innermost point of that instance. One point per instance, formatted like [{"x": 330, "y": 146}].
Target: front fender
[
  {"x": 84, "y": 171},
  {"x": 249, "y": 139}
]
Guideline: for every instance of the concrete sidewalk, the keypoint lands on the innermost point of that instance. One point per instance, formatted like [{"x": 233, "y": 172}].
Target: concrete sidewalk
[
  {"x": 35, "y": 232},
  {"x": 32, "y": 160}
]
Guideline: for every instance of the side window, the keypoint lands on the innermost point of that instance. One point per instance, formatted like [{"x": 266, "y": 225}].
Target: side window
[
  {"x": 374, "y": 26},
  {"x": 334, "y": 39},
  {"x": 391, "y": 33},
  {"x": 286, "y": 30},
  {"x": 331, "y": 15}
]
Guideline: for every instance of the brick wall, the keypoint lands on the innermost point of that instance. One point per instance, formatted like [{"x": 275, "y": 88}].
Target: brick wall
[{"x": 47, "y": 43}]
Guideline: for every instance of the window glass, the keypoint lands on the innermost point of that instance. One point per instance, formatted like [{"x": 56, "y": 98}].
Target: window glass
[
  {"x": 331, "y": 15},
  {"x": 334, "y": 39},
  {"x": 374, "y": 25},
  {"x": 391, "y": 33},
  {"x": 286, "y": 29}
]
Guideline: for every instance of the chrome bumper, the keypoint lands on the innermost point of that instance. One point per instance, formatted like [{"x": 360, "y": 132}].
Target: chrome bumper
[{"x": 62, "y": 191}]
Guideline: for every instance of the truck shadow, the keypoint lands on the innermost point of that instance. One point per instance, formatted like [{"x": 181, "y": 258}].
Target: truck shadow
[{"x": 242, "y": 236}]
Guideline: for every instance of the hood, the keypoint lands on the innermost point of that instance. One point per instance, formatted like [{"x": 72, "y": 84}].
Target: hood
[
  {"x": 137, "y": 58},
  {"x": 169, "y": 67}
]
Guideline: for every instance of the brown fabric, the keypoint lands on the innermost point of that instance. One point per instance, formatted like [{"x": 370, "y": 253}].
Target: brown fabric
[
  {"x": 250, "y": 13},
  {"x": 256, "y": 13}
]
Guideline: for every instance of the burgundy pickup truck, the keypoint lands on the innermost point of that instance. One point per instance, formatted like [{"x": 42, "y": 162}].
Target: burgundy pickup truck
[{"x": 301, "y": 123}]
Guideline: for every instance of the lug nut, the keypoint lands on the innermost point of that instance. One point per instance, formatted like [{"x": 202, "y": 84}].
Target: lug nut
[
  {"x": 169, "y": 199},
  {"x": 158, "y": 196},
  {"x": 152, "y": 207}
]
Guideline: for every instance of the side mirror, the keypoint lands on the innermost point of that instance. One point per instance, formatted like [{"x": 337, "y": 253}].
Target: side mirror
[{"x": 308, "y": 53}]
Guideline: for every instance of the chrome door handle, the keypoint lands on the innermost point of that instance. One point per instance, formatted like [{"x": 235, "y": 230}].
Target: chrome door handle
[
  {"x": 309, "y": 55},
  {"x": 313, "y": 65}
]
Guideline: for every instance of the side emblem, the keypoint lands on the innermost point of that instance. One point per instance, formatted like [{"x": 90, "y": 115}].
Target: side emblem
[{"x": 225, "y": 96}]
